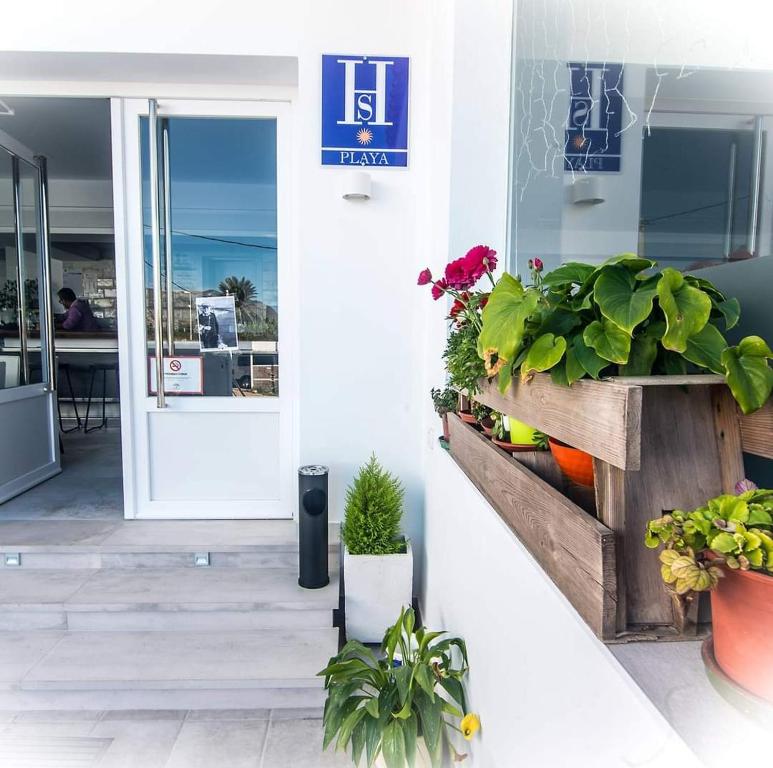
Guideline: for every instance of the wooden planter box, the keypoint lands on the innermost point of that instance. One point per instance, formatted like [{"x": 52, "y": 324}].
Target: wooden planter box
[{"x": 659, "y": 443}]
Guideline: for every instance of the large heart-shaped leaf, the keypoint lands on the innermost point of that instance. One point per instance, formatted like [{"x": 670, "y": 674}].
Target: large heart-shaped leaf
[
  {"x": 730, "y": 310},
  {"x": 587, "y": 357},
  {"x": 706, "y": 347},
  {"x": 543, "y": 354},
  {"x": 631, "y": 261},
  {"x": 686, "y": 308},
  {"x": 608, "y": 340},
  {"x": 504, "y": 319},
  {"x": 747, "y": 372},
  {"x": 571, "y": 273},
  {"x": 622, "y": 298},
  {"x": 644, "y": 351}
]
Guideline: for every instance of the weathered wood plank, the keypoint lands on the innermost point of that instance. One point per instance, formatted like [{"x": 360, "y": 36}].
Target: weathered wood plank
[
  {"x": 680, "y": 469},
  {"x": 609, "y": 483},
  {"x": 672, "y": 381},
  {"x": 727, "y": 429},
  {"x": 574, "y": 549},
  {"x": 757, "y": 431},
  {"x": 600, "y": 417}
]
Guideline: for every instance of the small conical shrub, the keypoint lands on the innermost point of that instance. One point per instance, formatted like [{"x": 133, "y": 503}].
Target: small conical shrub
[{"x": 374, "y": 507}]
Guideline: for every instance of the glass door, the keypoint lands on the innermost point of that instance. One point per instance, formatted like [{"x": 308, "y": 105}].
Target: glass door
[
  {"x": 207, "y": 267},
  {"x": 27, "y": 363}
]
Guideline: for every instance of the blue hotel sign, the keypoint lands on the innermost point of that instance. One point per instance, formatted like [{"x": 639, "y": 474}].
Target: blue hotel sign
[
  {"x": 365, "y": 110},
  {"x": 593, "y": 135}
]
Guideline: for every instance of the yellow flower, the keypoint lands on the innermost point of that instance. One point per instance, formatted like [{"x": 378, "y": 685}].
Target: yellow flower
[{"x": 470, "y": 725}]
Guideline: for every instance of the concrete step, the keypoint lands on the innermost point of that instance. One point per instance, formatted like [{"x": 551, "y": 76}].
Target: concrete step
[
  {"x": 92, "y": 544},
  {"x": 162, "y": 599},
  {"x": 164, "y": 670}
]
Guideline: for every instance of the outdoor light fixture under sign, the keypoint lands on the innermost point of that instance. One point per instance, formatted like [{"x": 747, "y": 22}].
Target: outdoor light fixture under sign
[
  {"x": 365, "y": 110},
  {"x": 593, "y": 141}
]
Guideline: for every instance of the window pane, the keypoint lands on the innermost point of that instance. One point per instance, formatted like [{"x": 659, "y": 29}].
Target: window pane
[
  {"x": 625, "y": 140},
  {"x": 221, "y": 285}
]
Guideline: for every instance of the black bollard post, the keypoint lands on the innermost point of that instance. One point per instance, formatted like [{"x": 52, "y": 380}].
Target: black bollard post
[{"x": 312, "y": 527}]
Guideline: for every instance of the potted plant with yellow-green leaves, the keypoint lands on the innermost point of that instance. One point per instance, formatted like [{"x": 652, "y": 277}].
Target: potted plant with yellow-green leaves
[
  {"x": 726, "y": 546},
  {"x": 404, "y": 706}
]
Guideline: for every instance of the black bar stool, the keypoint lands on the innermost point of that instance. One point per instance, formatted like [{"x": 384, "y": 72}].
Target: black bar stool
[
  {"x": 65, "y": 368},
  {"x": 94, "y": 369}
]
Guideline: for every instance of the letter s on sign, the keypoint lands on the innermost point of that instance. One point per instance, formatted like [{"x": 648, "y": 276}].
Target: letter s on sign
[{"x": 364, "y": 107}]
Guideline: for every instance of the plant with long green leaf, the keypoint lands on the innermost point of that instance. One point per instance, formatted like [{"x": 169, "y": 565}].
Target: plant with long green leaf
[
  {"x": 620, "y": 318},
  {"x": 403, "y": 704}
]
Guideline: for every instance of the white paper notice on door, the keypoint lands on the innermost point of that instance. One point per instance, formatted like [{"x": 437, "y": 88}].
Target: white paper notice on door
[{"x": 182, "y": 375}]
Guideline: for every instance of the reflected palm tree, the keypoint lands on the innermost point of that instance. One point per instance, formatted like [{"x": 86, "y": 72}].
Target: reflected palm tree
[{"x": 244, "y": 292}]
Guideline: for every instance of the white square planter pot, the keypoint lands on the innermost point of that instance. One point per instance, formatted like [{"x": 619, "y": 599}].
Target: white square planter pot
[{"x": 376, "y": 587}]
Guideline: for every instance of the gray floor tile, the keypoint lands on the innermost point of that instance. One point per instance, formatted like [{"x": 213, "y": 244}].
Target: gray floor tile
[
  {"x": 298, "y": 743},
  {"x": 129, "y": 715},
  {"x": 219, "y": 743},
  {"x": 20, "y": 586},
  {"x": 59, "y": 716},
  {"x": 137, "y": 744}
]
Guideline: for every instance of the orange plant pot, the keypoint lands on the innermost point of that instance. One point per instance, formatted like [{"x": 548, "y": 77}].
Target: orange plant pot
[
  {"x": 742, "y": 622},
  {"x": 574, "y": 463}
]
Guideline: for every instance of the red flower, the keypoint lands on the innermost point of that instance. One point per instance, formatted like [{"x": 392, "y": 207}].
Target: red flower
[
  {"x": 439, "y": 288},
  {"x": 425, "y": 277},
  {"x": 478, "y": 261},
  {"x": 459, "y": 305},
  {"x": 538, "y": 265},
  {"x": 484, "y": 300}
]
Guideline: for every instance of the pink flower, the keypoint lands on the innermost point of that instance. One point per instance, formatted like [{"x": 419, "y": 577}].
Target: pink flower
[
  {"x": 459, "y": 305},
  {"x": 478, "y": 261},
  {"x": 458, "y": 276},
  {"x": 425, "y": 277},
  {"x": 439, "y": 288},
  {"x": 745, "y": 485},
  {"x": 538, "y": 265}
]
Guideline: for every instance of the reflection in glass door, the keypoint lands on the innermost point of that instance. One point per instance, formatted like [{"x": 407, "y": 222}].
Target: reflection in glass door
[
  {"x": 217, "y": 210},
  {"x": 208, "y": 272}
]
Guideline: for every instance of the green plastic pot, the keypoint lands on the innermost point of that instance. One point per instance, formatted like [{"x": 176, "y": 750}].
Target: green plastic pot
[{"x": 522, "y": 434}]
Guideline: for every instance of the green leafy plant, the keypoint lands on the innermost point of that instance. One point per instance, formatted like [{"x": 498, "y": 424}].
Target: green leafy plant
[
  {"x": 622, "y": 317},
  {"x": 480, "y": 411},
  {"x": 405, "y": 702},
  {"x": 374, "y": 508},
  {"x": 445, "y": 400},
  {"x": 464, "y": 365},
  {"x": 736, "y": 531}
]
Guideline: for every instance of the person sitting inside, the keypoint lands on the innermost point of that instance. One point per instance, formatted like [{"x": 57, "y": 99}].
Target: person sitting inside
[{"x": 78, "y": 315}]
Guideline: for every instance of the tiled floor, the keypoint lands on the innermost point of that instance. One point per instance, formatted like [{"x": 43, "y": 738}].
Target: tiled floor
[
  {"x": 166, "y": 739},
  {"x": 88, "y": 488}
]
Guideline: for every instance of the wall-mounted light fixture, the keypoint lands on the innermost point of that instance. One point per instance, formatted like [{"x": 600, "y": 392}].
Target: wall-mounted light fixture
[
  {"x": 586, "y": 190},
  {"x": 357, "y": 186}
]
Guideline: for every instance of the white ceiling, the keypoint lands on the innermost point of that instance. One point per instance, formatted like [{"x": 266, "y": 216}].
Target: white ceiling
[{"x": 74, "y": 134}]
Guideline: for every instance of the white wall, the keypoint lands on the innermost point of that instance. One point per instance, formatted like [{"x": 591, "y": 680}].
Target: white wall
[{"x": 547, "y": 691}]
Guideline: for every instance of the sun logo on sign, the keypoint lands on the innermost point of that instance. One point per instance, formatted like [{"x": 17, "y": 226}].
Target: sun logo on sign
[{"x": 364, "y": 136}]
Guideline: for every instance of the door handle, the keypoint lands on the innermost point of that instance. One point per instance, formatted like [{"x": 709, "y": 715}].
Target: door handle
[{"x": 155, "y": 241}]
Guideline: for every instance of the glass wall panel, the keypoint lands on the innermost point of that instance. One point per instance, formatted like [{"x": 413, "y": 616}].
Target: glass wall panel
[
  {"x": 10, "y": 353},
  {"x": 635, "y": 136},
  {"x": 32, "y": 272},
  {"x": 220, "y": 274}
]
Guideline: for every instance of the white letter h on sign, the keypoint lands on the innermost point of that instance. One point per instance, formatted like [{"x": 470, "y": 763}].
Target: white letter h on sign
[{"x": 363, "y": 105}]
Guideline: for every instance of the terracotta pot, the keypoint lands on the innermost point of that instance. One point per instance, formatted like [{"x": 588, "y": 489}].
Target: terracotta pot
[
  {"x": 487, "y": 425},
  {"x": 742, "y": 620},
  {"x": 506, "y": 445},
  {"x": 467, "y": 417},
  {"x": 574, "y": 463},
  {"x": 446, "y": 433}
]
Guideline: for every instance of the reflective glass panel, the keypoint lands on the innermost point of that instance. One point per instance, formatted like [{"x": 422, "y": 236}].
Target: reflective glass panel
[{"x": 219, "y": 264}]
